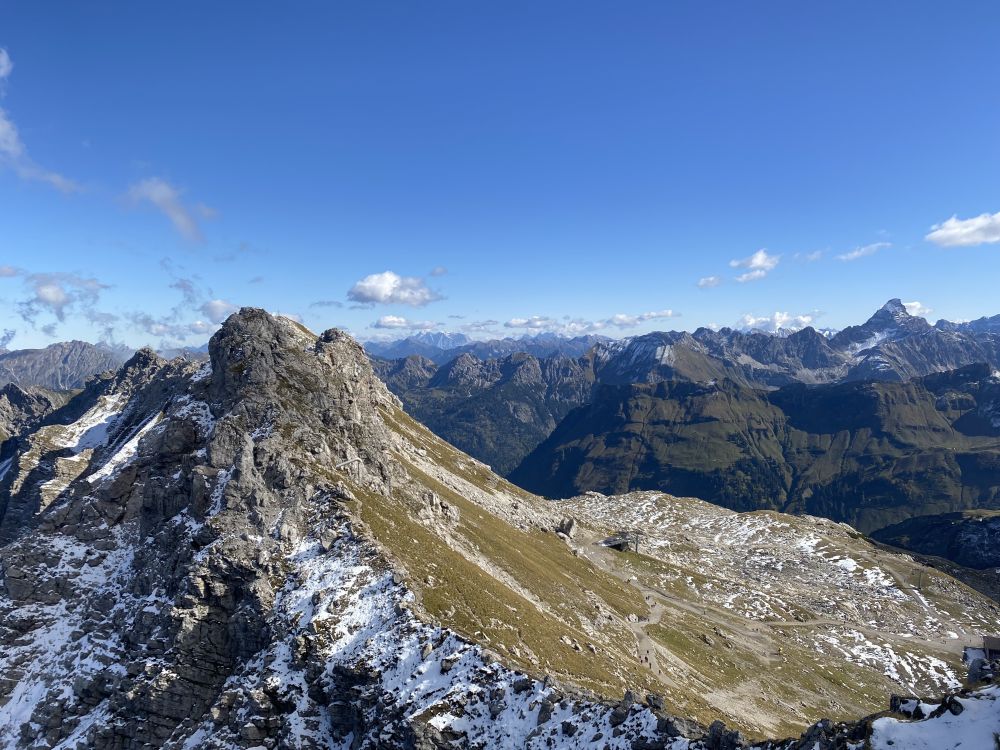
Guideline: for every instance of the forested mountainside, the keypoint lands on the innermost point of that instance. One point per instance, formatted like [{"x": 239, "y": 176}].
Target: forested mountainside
[
  {"x": 970, "y": 538},
  {"x": 869, "y": 453}
]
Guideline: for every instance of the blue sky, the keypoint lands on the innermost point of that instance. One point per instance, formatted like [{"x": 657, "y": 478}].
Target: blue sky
[{"x": 505, "y": 167}]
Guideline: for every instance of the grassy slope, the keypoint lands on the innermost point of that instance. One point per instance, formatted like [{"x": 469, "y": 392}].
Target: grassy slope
[{"x": 466, "y": 581}]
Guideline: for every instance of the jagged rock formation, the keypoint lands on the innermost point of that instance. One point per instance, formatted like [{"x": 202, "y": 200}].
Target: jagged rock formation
[
  {"x": 892, "y": 345},
  {"x": 868, "y": 453},
  {"x": 221, "y": 567},
  {"x": 63, "y": 366},
  {"x": 266, "y": 551}
]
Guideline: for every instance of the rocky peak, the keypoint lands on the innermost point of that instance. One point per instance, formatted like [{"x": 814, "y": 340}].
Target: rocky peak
[
  {"x": 895, "y": 308},
  {"x": 265, "y": 551},
  {"x": 466, "y": 370},
  {"x": 890, "y": 322}
]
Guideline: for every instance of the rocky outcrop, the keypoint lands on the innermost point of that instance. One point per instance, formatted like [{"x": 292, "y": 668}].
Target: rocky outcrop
[{"x": 22, "y": 409}]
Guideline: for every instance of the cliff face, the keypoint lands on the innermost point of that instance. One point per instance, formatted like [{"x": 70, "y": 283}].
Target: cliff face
[{"x": 23, "y": 408}]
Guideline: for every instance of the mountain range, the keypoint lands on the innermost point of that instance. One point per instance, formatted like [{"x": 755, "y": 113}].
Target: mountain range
[
  {"x": 870, "y": 453},
  {"x": 443, "y": 347},
  {"x": 873, "y": 424},
  {"x": 266, "y": 550},
  {"x": 499, "y": 409},
  {"x": 62, "y": 366}
]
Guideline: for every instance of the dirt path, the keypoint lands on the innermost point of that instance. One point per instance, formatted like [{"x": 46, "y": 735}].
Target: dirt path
[
  {"x": 647, "y": 648},
  {"x": 759, "y": 638}
]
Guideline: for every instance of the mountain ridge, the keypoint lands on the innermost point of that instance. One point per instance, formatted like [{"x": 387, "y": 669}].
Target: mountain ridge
[{"x": 265, "y": 549}]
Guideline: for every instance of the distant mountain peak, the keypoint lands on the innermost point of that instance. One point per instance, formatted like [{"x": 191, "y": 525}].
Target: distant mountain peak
[{"x": 896, "y": 309}]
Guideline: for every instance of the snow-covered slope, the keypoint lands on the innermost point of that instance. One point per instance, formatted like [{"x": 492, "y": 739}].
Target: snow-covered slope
[{"x": 788, "y": 618}]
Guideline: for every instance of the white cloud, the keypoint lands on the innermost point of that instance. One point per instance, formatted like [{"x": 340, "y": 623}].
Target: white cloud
[
  {"x": 979, "y": 230},
  {"x": 579, "y": 326},
  {"x": 775, "y": 322},
  {"x": 217, "y": 310},
  {"x": 396, "y": 322},
  {"x": 918, "y": 309},
  {"x": 707, "y": 282},
  {"x": 533, "y": 323},
  {"x": 864, "y": 251},
  {"x": 758, "y": 265},
  {"x": 6, "y": 66},
  {"x": 57, "y": 294},
  {"x": 480, "y": 326},
  {"x": 391, "y": 288},
  {"x": 167, "y": 199},
  {"x": 439, "y": 271},
  {"x": 169, "y": 331},
  {"x": 631, "y": 321},
  {"x": 757, "y": 273},
  {"x": 809, "y": 257},
  {"x": 13, "y": 154}
]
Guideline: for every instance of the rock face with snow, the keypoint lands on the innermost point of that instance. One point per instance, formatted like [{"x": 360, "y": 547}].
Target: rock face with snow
[
  {"x": 777, "y": 613},
  {"x": 266, "y": 551}
]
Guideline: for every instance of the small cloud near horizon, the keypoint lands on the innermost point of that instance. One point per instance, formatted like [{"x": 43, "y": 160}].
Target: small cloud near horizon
[
  {"x": 396, "y": 322},
  {"x": 864, "y": 251}
]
